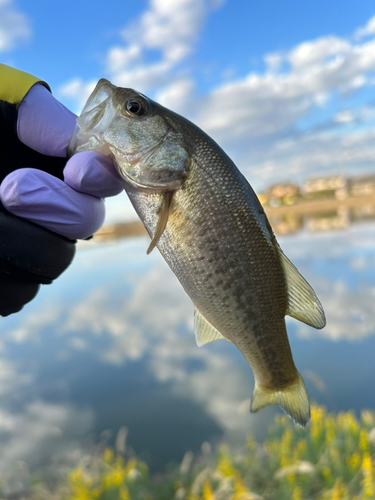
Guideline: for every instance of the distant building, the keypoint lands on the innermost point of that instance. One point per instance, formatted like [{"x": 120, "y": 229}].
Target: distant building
[
  {"x": 283, "y": 194},
  {"x": 326, "y": 187},
  {"x": 362, "y": 186}
]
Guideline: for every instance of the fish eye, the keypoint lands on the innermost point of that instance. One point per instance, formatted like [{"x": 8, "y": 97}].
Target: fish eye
[{"x": 135, "y": 106}]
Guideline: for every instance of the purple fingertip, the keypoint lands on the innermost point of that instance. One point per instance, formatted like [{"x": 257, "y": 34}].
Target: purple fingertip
[
  {"x": 47, "y": 201},
  {"x": 93, "y": 173},
  {"x": 43, "y": 123}
]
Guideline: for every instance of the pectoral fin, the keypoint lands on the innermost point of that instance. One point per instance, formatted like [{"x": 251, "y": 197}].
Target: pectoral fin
[
  {"x": 204, "y": 331},
  {"x": 303, "y": 304},
  {"x": 163, "y": 219}
]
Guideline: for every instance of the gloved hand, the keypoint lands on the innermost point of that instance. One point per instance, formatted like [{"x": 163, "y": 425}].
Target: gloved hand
[{"x": 71, "y": 205}]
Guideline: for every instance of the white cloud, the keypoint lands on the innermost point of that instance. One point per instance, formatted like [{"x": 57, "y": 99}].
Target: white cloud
[
  {"x": 39, "y": 431},
  {"x": 78, "y": 91},
  {"x": 257, "y": 118},
  {"x": 368, "y": 29},
  {"x": 317, "y": 51},
  {"x": 118, "y": 57},
  {"x": 350, "y": 313},
  {"x": 344, "y": 117},
  {"x": 266, "y": 104},
  {"x": 319, "y": 153},
  {"x": 273, "y": 61},
  {"x": 176, "y": 95},
  {"x": 14, "y": 26},
  {"x": 10, "y": 379},
  {"x": 348, "y": 301},
  {"x": 169, "y": 27}
]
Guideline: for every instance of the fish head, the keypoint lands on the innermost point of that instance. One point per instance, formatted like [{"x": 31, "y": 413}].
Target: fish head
[{"x": 137, "y": 133}]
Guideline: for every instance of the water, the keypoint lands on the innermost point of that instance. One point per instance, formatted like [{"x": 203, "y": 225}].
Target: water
[{"x": 110, "y": 344}]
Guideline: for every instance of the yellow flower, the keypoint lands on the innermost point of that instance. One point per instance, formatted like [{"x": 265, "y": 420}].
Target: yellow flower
[
  {"x": 348, "y": 422},
  {"x": 335, "y": 455},
  {"x": 124, "y": 493},
  {"x": 330, "y": 426},
  {"x": 367, "y": 473},
  {"x": 327, "y": 474},
  {"x": 112, "y": 479},
  {"x": 291, "y": 478},
  {"x": 208, "y": 493},
  {"x": 317, "y": 419},
  {"x": 80, "y": 485},
  {"x": 300, "y": 449},
  {"x": 240, "y": 490},
  {"x": 338, "y": 491},
  {"x": 363, "y": 440},
  {"x": 286, "y": 448},
  {"x": 317, "y": 414},
  {"x": 354, "y": 461},
  {"x": 225, "y": 465},
  {"x": 297, "y": 494},
  {"x": 108, "y": 455}
]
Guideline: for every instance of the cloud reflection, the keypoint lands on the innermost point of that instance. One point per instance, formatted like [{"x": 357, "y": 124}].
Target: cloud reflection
[
  {"x": 39, "y": 431},
  {"x": 117, "y": 306},
  {"x": 157, "y": 322},
  {"x": 341, "y": 268}
]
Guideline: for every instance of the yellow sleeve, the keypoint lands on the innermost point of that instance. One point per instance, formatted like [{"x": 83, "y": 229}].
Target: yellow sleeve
[{"x": 15, "y": 84}]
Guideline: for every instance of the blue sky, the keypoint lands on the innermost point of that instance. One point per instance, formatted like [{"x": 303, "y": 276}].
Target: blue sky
[{"x": 286, "y": 88}]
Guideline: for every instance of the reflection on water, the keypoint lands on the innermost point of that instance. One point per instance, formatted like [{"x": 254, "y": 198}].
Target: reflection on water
[
  {"x": 328, "y": 220},
  {"x": 284, "y": 220},
  {"x": 110, "y": 344}
]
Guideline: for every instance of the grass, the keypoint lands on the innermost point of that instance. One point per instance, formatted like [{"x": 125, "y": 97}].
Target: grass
[{"x": 332, "y": 459}]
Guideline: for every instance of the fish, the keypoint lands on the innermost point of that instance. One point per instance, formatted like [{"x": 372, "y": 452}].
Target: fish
[{"x": 208, "y": 224}]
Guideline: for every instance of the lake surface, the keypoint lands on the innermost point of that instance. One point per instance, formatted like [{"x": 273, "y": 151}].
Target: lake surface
[{"x": 111, "y": 344}]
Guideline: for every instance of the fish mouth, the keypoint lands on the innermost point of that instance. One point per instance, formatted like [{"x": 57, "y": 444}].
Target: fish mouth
[{"x": 139, "y": 159}]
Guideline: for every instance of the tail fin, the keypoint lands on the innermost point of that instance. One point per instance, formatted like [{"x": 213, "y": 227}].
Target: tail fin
[{"x": 292, "y": 399}]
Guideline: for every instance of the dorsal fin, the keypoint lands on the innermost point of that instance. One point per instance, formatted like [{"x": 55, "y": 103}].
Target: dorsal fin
[
  {"x": 204, "y": 331},
  {"x": 303, "y": 304}
]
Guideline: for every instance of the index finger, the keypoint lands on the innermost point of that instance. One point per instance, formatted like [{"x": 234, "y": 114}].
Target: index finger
[{"x": 44, "y": 124}]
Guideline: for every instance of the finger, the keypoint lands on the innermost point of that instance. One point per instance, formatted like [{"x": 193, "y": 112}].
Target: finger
[
  {"x": 49, "y": 202},
  {"x": 43, "y": 123},
  {"x": 92, "y": 173}
]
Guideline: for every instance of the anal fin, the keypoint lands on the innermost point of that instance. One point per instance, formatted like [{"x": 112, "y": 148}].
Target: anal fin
[{"x": 204, "y": 331}]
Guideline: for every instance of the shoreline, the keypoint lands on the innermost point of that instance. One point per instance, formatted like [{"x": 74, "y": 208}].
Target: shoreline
[{"x": 302, "y": 208}]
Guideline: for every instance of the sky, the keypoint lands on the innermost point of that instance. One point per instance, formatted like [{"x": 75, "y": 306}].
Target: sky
[{"x": 286, "y": 88}]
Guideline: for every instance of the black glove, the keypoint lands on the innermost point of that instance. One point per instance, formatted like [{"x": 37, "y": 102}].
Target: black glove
[{"x": 29, "y": 256}]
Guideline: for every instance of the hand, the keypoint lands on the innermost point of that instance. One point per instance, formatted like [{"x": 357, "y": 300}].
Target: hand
[
  {"x": 74, "y": 207},
  {"x": 70, "y": 205}
]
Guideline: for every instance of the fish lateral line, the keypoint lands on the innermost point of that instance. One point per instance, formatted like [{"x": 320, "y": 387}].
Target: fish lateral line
[{"x": 163, "y": 219}]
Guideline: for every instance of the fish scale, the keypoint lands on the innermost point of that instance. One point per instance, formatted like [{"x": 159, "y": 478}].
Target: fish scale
[{"x": 209, "y": 226}]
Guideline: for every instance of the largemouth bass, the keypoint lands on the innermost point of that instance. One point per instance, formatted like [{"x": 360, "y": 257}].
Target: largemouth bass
[{"x": 210, "y": 227}]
